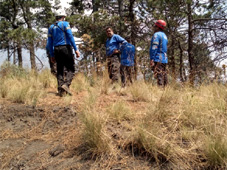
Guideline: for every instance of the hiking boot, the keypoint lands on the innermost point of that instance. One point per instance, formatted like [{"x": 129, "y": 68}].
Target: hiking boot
[
  {"x": 61, "y": 92},
  {"x": 66, "y": 88}
]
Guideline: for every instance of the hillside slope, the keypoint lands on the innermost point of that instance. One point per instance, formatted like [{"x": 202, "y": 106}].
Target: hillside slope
[{"x": 106, "y": 127}]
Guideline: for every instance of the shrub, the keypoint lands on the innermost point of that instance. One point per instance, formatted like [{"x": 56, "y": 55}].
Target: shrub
[
  {"x": 140, "y": 92},
  {"x": 120, "y": 111}
]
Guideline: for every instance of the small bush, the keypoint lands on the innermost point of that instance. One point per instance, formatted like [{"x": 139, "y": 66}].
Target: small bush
[
  {"x": 140, "y": 92},
  {"x": 3, "y": 89},
  {"x": 22, "y": 90},
  {"x": 120, "y": 111},
  {"x": 12, "y": 71},
  {"x": 94, "y": 139},
  {"x": 19, "y": 92},
  {"x": 80, "y": 83},
  {"x": 105, "y": 83},
  {"x": 145, "y": 142},
  {"x": 47, "y": 79},
  {"x": 216, "y": 151}
]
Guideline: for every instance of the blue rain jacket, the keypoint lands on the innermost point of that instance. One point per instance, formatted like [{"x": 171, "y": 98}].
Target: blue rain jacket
[
  {"x": 127, "y": 54},
  {"x": 113, "y": 43},
  {"x": 158, "y": 48},
  {"x": 60, "y": 34}
]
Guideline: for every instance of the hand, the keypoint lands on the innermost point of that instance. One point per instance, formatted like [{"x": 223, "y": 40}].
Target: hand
[
  {"x": 152, "y": 63},
  {"x": 52, "y": 59},
  {"x": 116, "y": 51},
  {"x": 77, "y": 53}
]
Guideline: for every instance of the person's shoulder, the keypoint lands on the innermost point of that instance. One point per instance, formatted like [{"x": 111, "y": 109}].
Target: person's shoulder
[
  {"x": 161, "y": 33},
  {"x": 65, "y": 22},
  {"x": 116, "y": 35},
  {"x": 51, "y": 25},
  {"x": 50, "y": 28},
  {"x": 156, "y": 35}
]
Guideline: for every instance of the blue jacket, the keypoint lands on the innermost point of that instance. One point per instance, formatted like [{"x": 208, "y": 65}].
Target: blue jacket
[
  {"x": 127, "y": 54},
  {"x": 158, "y": 48},
  {"x": 60, "y": 34},
  {"x": 114, "y": 43}
]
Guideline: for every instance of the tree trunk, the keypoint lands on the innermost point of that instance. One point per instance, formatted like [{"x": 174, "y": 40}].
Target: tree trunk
[
  {"x": 95, "y": 6},
  {"x": 181, "y": 63},
  {"x": 27, "y": 17},
  {"x": 120, "y": 11},
  {"x": 8, "y": 54},
  {"x": 14, "y": 53},
  {"x": 190, "y": 45},
  {"x": 31, "y": 48},
  {"x": 32, "y": 56},
  {"x": 19, "y": 54},
  {"x": 172, "y": 59},
  {"x": 133, "y": 34}
]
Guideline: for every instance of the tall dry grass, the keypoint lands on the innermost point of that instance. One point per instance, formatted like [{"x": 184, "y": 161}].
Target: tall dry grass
[
  {"x": 80, "y": 83},
  {"x": 184, "y": 124},
  {"x": 140, "y": 91},
  {"x": 23, "y": 86},
  {"x": 179, "y": 127},
  {"x": 94, "y": 140},
  {"x": 120, "y": 111}
]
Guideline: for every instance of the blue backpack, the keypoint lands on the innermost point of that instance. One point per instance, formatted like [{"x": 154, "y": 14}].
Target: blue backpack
[{"x": 127, "y": 54}]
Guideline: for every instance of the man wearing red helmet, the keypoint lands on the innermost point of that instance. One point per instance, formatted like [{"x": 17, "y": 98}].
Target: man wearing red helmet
[{"x": 158, "y": 53}]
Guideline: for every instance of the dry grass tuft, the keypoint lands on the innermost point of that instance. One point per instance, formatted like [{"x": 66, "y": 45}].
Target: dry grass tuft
[
  {"x": 94, "y": 139},
  {"x": 3, "y": 89},
  {"x": 120, "y": 111},
  {"x": 177, "y": 124},
  {"x": 140, "y": 91},
  {"x": 105, "y": 83},
  {"x": 47, "y": 79},
  {"x": 80, "y": 83},
  {"x": 216, "y": 151},
  {"x": 25, "y": 87}
]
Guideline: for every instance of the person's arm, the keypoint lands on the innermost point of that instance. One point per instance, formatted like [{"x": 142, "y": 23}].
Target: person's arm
[
  {"x": 50, "y": 43},
  {"x": 154, "y": 47},
  {"x": 47, "y": 45},
  {"x": 71, "y": 39},
  {"x": 119, "y": 40}
]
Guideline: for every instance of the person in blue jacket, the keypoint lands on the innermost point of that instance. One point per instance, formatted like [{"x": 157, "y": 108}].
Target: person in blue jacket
[
  {"x": 158, "y": 53},
  {"x": 60, "y": 43},
  {"x": 127, "y": 63},
  {"x": 113, "y": 43}
]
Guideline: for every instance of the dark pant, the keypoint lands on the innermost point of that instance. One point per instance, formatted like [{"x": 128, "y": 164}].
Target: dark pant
[
  {"x": 113, "y": 63},
  {"x": 65, "y": 60},
  {"x": 160, "y": 73},
  {"x": 126, "y": 74}
]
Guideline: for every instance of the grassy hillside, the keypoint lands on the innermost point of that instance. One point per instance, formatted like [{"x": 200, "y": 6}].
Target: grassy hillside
[{"x": 108, "y": 127}]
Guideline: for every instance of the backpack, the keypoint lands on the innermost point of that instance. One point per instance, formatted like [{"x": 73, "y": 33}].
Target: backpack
[{"x": 127, "y": 54}]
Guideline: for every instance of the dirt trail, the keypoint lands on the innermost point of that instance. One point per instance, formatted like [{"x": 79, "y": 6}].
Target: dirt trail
[{"x": 41, "y": 137}]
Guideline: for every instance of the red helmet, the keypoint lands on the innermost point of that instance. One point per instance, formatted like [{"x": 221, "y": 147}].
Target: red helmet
[{"x": 161, "y": 24}]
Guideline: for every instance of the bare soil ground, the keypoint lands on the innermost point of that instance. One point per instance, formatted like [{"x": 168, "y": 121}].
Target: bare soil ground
[{"x": 45, "y": 137}]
